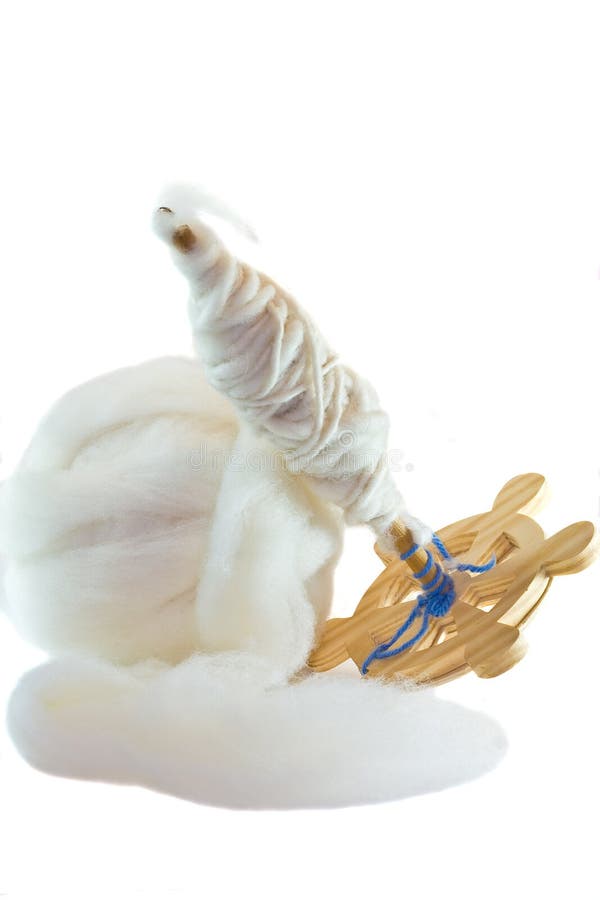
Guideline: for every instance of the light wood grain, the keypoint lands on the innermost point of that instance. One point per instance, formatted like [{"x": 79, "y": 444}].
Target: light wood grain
[{"x": 482, "y": 632}]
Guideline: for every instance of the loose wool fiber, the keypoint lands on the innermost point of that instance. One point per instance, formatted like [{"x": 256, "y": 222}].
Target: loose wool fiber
[
  {"x": 179, "y": 574},
  {"x": 215, "y": 729},
  {"x": 140, "y": 490}
]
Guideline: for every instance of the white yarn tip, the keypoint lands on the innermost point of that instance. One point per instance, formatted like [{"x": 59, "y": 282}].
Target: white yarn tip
[
  {"x": 185, "y": 201},
  {"x": 165, "y": 221}
]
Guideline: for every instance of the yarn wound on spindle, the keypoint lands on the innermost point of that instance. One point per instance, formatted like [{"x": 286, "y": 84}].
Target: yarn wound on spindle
[{"x": 263, "y": 352}]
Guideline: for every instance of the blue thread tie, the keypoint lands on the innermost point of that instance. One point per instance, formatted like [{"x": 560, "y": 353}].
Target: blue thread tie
[
  {"x": 462, "y": 567},
  {"x": 435, "y": 602}
]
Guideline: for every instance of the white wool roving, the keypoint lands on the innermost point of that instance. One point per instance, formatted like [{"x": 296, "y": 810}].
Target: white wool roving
[
  {"x": 215, "y": 729},
  {"x": 155, "y": 544},
  {"x": 123, "y": 505},
  {"x": 261, "y": 350}
]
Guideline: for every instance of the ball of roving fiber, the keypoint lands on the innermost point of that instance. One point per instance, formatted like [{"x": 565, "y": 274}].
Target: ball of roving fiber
[{"x": 143, "y": 522}]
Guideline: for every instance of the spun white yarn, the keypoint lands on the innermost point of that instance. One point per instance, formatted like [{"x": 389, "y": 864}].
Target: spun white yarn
[{"x": 263, "y": 352}]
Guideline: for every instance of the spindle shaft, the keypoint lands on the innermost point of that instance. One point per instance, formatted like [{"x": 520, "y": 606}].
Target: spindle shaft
[{"x": 417, "y": 561}]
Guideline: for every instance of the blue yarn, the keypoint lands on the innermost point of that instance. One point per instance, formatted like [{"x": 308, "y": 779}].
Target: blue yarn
[
  {"x": 409, "y": 552},
  {"x": 426, "y": 568},
  {"x": 436, "y": 601},
  {"x": 462, "y": 567}
]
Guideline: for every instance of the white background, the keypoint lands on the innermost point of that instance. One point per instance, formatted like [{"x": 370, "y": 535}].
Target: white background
[{"x": 426, "y": 178}]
